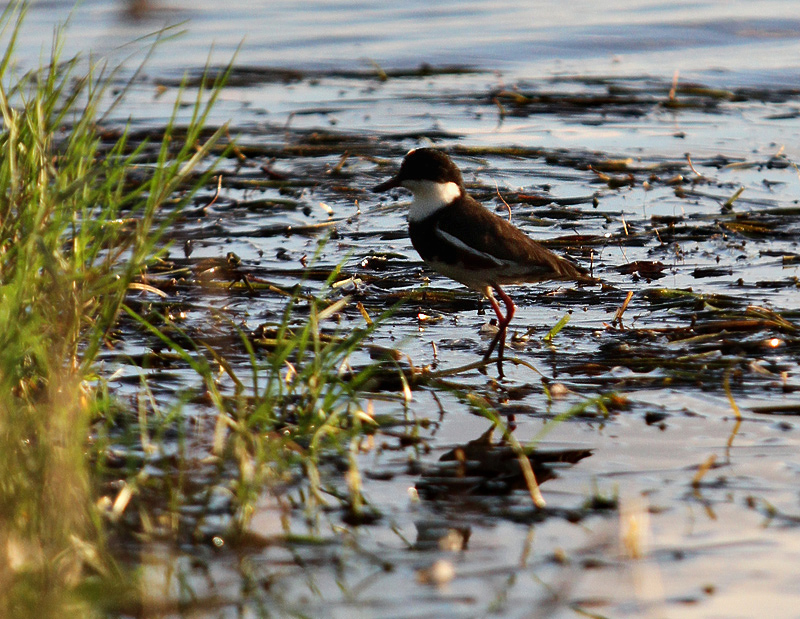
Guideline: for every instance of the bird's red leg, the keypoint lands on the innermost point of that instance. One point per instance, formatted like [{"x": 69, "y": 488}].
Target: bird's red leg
[
  {"x": 510, "y": 310},
  {"x": 502, "y": 325},
  {"x": 500, "y": 318}
]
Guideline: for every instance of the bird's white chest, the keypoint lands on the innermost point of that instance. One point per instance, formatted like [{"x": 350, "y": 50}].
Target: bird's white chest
[{"x": 429, "y": 197}]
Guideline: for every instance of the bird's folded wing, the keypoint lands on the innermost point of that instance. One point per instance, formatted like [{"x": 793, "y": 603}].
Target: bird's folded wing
[{"x": 489, "y": 236}]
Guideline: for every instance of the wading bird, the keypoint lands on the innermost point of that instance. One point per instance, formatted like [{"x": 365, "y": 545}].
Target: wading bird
[{"x": 458, "y": 237}]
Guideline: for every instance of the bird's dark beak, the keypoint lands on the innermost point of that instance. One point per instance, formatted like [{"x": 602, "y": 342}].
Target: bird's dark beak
[{"x": 387, "y": 185}]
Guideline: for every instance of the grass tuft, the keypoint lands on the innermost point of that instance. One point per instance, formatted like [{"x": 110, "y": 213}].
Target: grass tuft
[{"x": 76, "y": 229}]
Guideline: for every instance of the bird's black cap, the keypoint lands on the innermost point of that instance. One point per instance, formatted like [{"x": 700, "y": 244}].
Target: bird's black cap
[{"x": 424, "y": 164}]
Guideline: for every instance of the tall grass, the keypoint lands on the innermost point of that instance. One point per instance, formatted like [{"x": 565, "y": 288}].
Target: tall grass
[{"x": 75, "y": 230}]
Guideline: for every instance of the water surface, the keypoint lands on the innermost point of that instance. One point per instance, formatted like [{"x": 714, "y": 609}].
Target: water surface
[
  {"x": 738, "y": 42},
  {"x": 567, "y": 114}
]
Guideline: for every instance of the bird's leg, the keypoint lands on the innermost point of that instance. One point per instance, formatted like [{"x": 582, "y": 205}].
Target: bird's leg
[
  {"x": 510, "y": 310},
  {"x": 502, "y": 325},
  {"x": 500, "y": 318}
]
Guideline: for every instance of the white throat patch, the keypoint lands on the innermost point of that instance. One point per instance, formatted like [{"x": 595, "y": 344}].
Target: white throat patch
[{"x": 429, "y": 197}]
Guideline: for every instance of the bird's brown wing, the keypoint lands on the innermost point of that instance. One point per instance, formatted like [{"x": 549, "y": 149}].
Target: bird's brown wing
[{"x": 493, "y": 238}]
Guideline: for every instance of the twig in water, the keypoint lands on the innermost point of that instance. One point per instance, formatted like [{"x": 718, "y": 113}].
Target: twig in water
[
  {"x": 726, "y": 383},
  {"x": 463, "y": 368},
  {"x": 622, "y": 249},
  {"x": 497, "y": 188},
  {"x": 381, "y": 74},
  {"x": 147, "y": 288},
  {"x": 704, "y": 468},
  {"x": 216, "y": 194},
  {"x": 337, "y": 169},
  {"x": 691, "y": 166},
  {"x": 622, "y": 308},
  {"x": 439, "y": 405},
  {"x": 501, "y": 110},
  {"x": 796, "y": 169},
  {"x": 364, "y": 313},
  {"x": 658, "y": 236},
  {"x": 674, "y": 88},
  {"x": 236, "y": 150},
  {"x": 558, "y": 326},
  {"x": 530, "y": 477},
  {"x": 729, "y": 202},
  {"x": 530, "y": 366}
]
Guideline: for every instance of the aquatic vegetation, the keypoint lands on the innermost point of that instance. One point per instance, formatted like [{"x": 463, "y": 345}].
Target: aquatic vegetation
[{"x": 299, "y": 402}]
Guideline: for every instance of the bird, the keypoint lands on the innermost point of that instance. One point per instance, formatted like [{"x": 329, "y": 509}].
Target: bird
[{"x": 457, "y": 236}]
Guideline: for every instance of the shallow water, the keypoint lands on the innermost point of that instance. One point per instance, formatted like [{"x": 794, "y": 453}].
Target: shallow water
[
  {"x": 594, "y": 86},
  {"x": 732, "y": 43}
]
